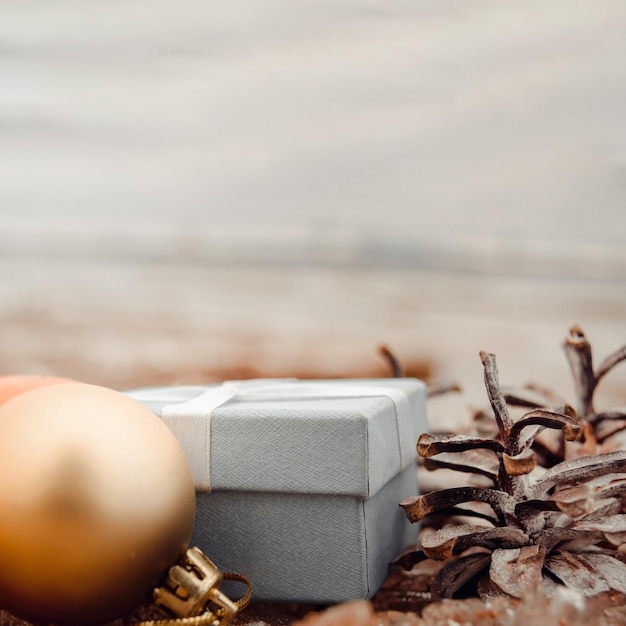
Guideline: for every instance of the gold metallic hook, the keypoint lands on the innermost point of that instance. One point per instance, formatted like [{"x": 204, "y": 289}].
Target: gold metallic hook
[{"x": 191, "y": 592}]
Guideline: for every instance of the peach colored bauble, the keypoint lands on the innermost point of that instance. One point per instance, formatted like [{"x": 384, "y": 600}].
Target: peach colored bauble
[{"x": 15, "y": 384}]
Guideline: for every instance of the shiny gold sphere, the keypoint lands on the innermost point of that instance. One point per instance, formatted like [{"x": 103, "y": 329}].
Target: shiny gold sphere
[{"x": 96, "y": 502}]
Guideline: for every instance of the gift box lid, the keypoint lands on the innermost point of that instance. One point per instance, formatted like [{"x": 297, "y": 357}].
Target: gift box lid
[{"x": 343, "y": 437}]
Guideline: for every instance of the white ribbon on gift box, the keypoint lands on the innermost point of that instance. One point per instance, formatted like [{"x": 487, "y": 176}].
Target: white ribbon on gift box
[{"x": 190, "y": 421}]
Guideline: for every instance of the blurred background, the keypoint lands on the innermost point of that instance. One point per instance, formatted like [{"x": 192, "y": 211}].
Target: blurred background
[{"x": 193, "y": 191}]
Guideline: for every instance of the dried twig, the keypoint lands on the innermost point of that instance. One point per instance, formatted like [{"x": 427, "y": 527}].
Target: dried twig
[
  {"x": 579, "y": 355},
  {"x": 598, "y": 428},
  {"x": 397, "y": 371}
]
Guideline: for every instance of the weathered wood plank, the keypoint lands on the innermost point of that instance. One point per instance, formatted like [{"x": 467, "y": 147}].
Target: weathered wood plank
[{"x": 314, "y": 130}]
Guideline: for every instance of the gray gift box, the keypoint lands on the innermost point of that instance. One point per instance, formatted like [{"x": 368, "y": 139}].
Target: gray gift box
[{"x": 299, "y": 482}]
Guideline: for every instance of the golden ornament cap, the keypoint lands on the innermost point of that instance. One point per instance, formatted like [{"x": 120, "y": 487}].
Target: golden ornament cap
[{"x": 191, "y": 592}]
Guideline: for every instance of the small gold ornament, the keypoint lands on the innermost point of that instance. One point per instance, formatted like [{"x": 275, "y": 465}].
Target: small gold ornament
[
  {"x": 96, "y": 502},
  {"x": 192, "y": 593}
]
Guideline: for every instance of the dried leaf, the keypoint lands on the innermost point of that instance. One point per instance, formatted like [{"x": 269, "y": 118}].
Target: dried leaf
[
  {"x": 397, "y": 371},
  {"x": 568, "y": 539},
  {"x": 457, "y": 511},
  {"x": 613, "y": 528},
  {"x": 615, "y": 524},
  {"x": 418, "y": 507},
  {"x": 610, "y": 568},
  {"x": 528, "y": 438},
  {"x": 549, "y": 447},
  {"x": 521, "y": 464},
  {"x": 548, "y": 419},
  {"x": 608, "y": 423},
  {"x": 441, "y": 388},
  {"x": 578, "y": 507},
  {"x": 585, "y": 498},
  {"x": 605, "y": 430},
  {"x": 573, "y": 574},
  {"x": 455, "y": 575},
  {"x": 578, "y": 353},
  {"x": 441, "y": 544},
  {"x": 487, "y": 590},
  {"x": 604, "y": 508},
  {"x": 535, "y": 515},
  {"x": 616, "y": 539},
  {"x": 409, "y": 558},
  {"x": 530, "y": 396},
  {"x": 485, "y": 425},
  {"x": 430, "y": 445},
  {"x": 525, "y": 507},
  {"x": 517, "y": 571},
  {"x": 610, "y": 362},
  {"x": 578, "y": 470},
  {"x": 496, "y": 399},
  {"x": 579, "y": 356},
  {"x": 587, "y": 572},
  {"x": 613, "y": 414},
  {"x": 472, "y": 461}
]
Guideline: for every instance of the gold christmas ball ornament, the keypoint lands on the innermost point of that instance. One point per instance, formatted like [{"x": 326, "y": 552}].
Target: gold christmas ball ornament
[{"x": 96, "y": 503}]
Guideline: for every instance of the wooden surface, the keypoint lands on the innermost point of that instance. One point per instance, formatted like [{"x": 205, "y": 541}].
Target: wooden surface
[
  {"x": 124, "y": 324},
  {"x": 432, "y": 133}
]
